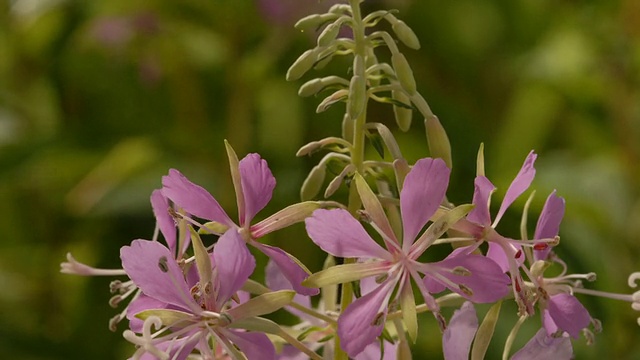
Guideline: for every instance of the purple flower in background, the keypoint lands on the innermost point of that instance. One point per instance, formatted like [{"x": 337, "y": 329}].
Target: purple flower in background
[
  {"x": 543, "y": 346},
  {"x": 474, "y": 277},
  {"x": 254, "y": 184},
  {"x": 457, "y": 338}
]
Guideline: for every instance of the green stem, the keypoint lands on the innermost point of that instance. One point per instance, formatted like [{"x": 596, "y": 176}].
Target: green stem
[{"x": 357, "y": 154}]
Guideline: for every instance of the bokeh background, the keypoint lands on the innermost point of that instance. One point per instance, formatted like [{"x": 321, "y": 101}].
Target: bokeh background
[{"x": 98, "y": 99}]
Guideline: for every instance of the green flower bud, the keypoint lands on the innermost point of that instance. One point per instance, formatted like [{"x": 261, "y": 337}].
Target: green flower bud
[
  {"x": 347, "y": 127},
  {"x": 357, "y": 96},
  {"x": 406, "y": 35},
  {"x": 301, "y": 65},
  {"x": 311, "y": 87},
  {"x": 329, "y": 34},
  {"x": 313, "y": 182},
  {"x": 402, "y": 114},
  {"x": 313, "y": 21},
  {"x": 332, "y": 99},
  {"x": 404, "y": 73},
  {"x": 439, "y": 145}
]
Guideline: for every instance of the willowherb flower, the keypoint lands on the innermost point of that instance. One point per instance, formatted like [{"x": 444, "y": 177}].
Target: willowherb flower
[
  {"x": 474, "y": 277},
  {"x": 254, "y": 184},
  {"x": 191, "y": 308}
]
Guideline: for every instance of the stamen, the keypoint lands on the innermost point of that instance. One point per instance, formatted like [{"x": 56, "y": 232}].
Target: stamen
[
  {"x": 162, "y": 264},
  {"x": 460, "y": 270},
  {"x": 378, "y": 320},
  {"x": 465, "y": 289},
  {"x": 633, "y": 278},
  {"x": 540, "y": 246},
  {"x": 74, "y": 267}
]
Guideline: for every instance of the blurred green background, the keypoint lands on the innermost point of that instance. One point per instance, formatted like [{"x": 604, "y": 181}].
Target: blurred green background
[{"x": 98, "y": 99}]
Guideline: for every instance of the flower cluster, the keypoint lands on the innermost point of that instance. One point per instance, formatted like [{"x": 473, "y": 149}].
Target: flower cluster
[{"x": 194, "y": 295}]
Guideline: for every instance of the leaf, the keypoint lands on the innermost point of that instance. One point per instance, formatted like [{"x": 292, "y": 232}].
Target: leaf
[
  {"x": 343, "y": 273},
  {"x": 485, "y": 332},
  {"x": 260, "y": 305},
  {"x": 168, "y": 317}
]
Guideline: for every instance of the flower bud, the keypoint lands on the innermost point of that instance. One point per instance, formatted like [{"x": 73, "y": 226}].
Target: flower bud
[
  {"x": 357, "y": 96},
  {"x": 403, "y": 73},
  {"x": 347, "y": 127},
  {"x": 402, "y": 114},
  {"x": 406, "y": 35},
  {"x": 301, "y": 65},
  {"x": 332, "y": 99},
  {"x": 313, "y": 182},
  {"x": 439, "y": 146},
  {"x": 329, "y": 34},
  {"x": 309, "y": 148},
  {"x": 313, "y": 21},
  {"x": 311, "y": 87}
]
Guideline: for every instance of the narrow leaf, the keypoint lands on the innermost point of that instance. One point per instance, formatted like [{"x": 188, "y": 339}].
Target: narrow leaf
[
  {"x": 344, "y": 273},
  {"x": 235, "y": 176},
  {"x": 374, "y": 209},
  {"x": 263, "y": 304},
  {"x": 485, "y": 332},
  {"x": 168, "y": 317}
]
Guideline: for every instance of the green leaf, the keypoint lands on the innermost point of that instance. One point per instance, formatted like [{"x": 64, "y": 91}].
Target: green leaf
[
  {"x": 168, "y": 317},
  {"x": 373, "y": 207},
  {"x": 376, "y": 142},
  {"x": 409, "y": 314}
]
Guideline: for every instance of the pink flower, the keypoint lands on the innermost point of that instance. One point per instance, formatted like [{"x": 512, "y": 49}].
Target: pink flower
[
  {"x": 474, "y": 277},
  {"x": 194, "y": 307},
  {"x": 254, "y": 186}
]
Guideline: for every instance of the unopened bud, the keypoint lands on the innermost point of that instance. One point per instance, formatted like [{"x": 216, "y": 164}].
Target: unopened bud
[
  {"x": 403, "y": 73},
  {"x": 310, "y": 148},
  {"x": 357, "y": 96},
  {"x": 339, "y": 8},
  {"x": 313, "y": 182},
  {"x": 402, "y": 114},
  {"x": 329, "y": 34},
  {"x": 406, "y": 35},
  {"x": 347, "y": 127},
  {"x": 311, "y": 87},
  {"x": 358, "y": 65},
  {"x": 313, "y": 21},
  {"x": 332, "y": 99},
  {"x": 334, "y": 185},
  {"x": 439, "y": 146},
  {"x": 301, "y": 65}
]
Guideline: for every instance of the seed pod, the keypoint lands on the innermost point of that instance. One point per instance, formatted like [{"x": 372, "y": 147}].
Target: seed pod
[
  {"x": 357, "y": 96},
  {"x": 313, "y": 183},
  {"x": 301, "y": 65},
  {"x": 404, "y": 73},
  {"x": 406, "y": 35},
  {"x": 402, "y": 114}
]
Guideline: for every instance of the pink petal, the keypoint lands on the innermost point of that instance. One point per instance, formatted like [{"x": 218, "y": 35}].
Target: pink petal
[
  {"x": 486, "y": 280},
  {"x": 139, "y": 304},
  {"x": 275, "y": 280},
  {"x": 519, "y": 184},
  {"x": 481, "y": 199},
  {"x": 549, "y": 222},
  {"x": 362, "y": 321},
  {"x": 293, "y": 272},
  {"x": 457, "y": 338},
  {"x": 542, "y": 346},
  {"x": 335, "y": 231},
  {"x": 422, "y": 193},
  {"x": 257, "y": 185},
  {"x": 374, "y": 351},
  {"x": 154, "y": 270},
  {"x": 568, "y": 314},
  {"x": 167, "y": 225},
  {"x": 193, "y": 198},
  {"x": 234, "y": 264},
  {"x": 253, "y": 345},
  {"x": 498, "y": 255},
  {"x": 178, "y": 349}
]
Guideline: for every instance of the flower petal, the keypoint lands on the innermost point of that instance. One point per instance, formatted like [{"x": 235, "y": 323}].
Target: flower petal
[
  {"x": 154, "y": 270},
  {"x": 253, "y": 345},
  {"x": 542, "y": 347},
  {"x": 234, "y": 264},
  {"x": 363, "y": 320},
  {"x": 481, "y": 199},
  {"x": 276, "y": 280},
  {"x": 518, "y": 185},
  {"x": 486, "y": 281},
  {"x": 374, "y": 351},
  {"x": 193, "y": 198},
  {"x": 290, "y": 268},
  {"x": 457, "y": 338},
  {"x": 177, "y": 349},
  {"x": 139, "y": 304},
  {"x": 257, "y": 185},
  {"x": 548, "y": 225},
  {"x": 568, "y": 314},
  {"x": 338, "y": 233},
  {"x": 167, "y": 225},
  {"x": 422, "y": 192},
  {"x": 497, "y": 254}
]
